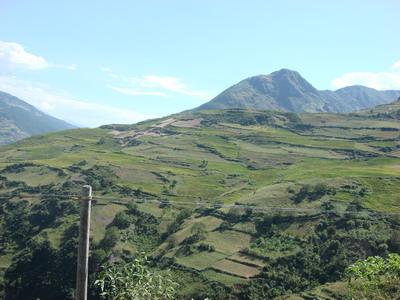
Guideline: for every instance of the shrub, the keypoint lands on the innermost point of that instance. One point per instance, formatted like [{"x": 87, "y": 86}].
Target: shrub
[
  {"x": 111, "y": 238},
  {"x": 199, "y": 229},
  {"x": 234, "y": 214},
  {"x": 375, "y": 277},
  {"x": 100, "y": 177},
  {"x": 394, "y": 242},
  {"x": 224, "y": 226},
  {"x": 205, "y": 247},
  {"x": 121, "y": 220},
  {"x": 180, "y": 218},
  {"x": 312, "y": 193},
  {"x": 134, "y": 281}
]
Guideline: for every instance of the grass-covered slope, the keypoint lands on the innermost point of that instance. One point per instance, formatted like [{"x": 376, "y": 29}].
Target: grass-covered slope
[{"x": 226, "y": 198}]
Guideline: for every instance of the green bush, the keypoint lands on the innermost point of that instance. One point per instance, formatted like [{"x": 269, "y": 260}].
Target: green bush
[
  {"x": 100, "y": 177},
  {"x": 110, "y": 239},
  {"x": 205, "y": 247},
  {"x": 121, "y": 220},
  {"x": 312, "y": 193},
  {"x": 180, "y": 218},
  {"x": 375, "y": 278},
  {"x": 134, "y": 281},
  {"x": 262, "y": 246}
]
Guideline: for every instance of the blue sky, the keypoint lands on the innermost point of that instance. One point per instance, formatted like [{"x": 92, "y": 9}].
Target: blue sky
[{"x": 98, "y": 62}]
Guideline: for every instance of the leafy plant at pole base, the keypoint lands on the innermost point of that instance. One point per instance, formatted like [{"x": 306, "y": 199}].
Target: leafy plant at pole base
[
  {"x": 375, "y": 278},
  {"x": 134, "y": 281}
]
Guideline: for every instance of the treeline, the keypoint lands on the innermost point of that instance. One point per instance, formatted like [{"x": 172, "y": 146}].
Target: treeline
[{"x": 337, "y": 242}]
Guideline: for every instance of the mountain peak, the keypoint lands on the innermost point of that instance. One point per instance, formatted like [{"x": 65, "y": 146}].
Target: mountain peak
[
  {"x": 287, "y": 90},
  {"x": 286, "y": 71},
  {"x": 280, "y": 90},
  {"x": 282, "y": 73},
  {"x": 19, "y": 119}
]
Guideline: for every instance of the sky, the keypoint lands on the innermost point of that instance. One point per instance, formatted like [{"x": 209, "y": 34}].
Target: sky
[{"x": 100, "y": 62}]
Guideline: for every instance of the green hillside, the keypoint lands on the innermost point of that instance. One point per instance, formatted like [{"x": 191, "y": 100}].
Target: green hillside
[{"x": 233, "y": 201}]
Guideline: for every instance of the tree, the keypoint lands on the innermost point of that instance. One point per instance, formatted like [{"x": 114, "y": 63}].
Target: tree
[
  {"x": 216, "y": 204},
  {"x": 111, "y": 238},
  {"x": 302, "y": 194},
  {"x": 395, "y": 241},
  {"x": 199, "y": 229},
  {"x": 320, "y": 189},
  {"x": 132, "y": 208},
  {"x": 234, "y": 214},
  {"x": 134, "y": 281},
  {"x": 122, "y": 220},
  {"x": 180, "y": 218},
  {"x": 203, "y": 164},
  {"x": 42, "y": 272}
]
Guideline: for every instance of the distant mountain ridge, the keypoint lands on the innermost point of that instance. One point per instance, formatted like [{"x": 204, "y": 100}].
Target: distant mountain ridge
[
  {"x": 287, "y": 90},
  {"x": 19, "y": 120}
]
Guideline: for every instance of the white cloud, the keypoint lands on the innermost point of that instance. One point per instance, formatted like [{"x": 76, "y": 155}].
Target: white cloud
[
  {"x": 67, "y": 108},
  {"x": 377, "y": 80},
  {"x": 13, "y": 55},
  {"x": 396, "y": 66},
  {"x": 135, "y": 92},
  {"x": 152, "y": 85},
  {"x": 109, "y": 72},
  {"x": 68, "y": 67},
  {"x": 168, "y": 83}
]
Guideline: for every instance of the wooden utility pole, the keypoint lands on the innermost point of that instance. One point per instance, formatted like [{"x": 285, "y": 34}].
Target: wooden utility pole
[{"x": 83, "y": 248}]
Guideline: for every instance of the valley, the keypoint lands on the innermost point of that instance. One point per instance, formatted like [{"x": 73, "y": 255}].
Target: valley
[
  {"x": 228, "y": 199},
  {"x": 199, "y": 150}
]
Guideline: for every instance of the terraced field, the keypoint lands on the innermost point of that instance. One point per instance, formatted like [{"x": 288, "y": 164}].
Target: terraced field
[{"x": 227, "y": 168}]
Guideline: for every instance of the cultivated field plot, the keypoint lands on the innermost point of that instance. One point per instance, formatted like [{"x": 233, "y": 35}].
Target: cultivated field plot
[
  {"x": 35, "y": 175},
  {"x": 226, "y": 279},
  {"x": 228, "y": 242},
  {"x": 201, "y": 261},
  {"x": 248, "y": 260},
  {"x": 235, "y": 268}
]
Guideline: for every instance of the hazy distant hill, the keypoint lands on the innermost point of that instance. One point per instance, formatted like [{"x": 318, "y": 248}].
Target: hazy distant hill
[
  {"x": 19, "y": 120},
  {"x": 288, "y": 91},
  {"x": 390, "y": 110}
]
